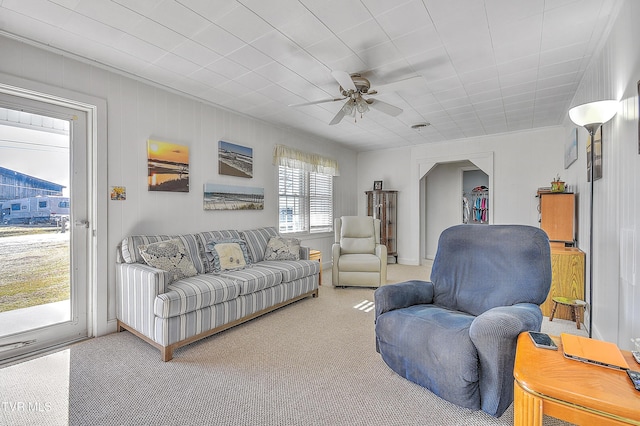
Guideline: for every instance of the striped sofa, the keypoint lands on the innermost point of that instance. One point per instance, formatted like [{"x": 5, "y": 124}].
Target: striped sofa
[{"x": 169, "y": 316}]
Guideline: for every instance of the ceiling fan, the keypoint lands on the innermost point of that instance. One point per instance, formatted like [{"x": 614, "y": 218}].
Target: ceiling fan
[{"x": 353, "y": 87}]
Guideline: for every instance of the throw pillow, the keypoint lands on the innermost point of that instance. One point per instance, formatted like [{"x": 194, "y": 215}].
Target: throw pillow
[
  {"x": 227, "y": 255},
  {"x": 280, "y": 248},
  {"x": 170, "y": 256}
]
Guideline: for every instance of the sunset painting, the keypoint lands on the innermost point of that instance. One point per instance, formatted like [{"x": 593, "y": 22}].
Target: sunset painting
[{"x": 168, "y": 166}]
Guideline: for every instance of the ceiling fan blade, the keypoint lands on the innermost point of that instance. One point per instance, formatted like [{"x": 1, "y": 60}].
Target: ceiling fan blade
[
  {"x": 338, "y": 118},
  {"x": 344, "y": 80},
  {"x": 317, "y": 102},
  {"x": 407, "y": 83},
  {"x": 393, "y": 111}
]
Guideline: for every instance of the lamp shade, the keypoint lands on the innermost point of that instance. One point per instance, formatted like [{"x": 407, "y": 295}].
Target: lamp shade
[{"x": 598, "y": 112}]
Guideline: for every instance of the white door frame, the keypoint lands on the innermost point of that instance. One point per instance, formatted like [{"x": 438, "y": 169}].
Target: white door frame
[{"x": 96, "y": 113}]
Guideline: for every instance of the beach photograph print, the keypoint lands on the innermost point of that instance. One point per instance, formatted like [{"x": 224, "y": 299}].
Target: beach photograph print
[
  {"x": 235, "y": 160},
  {"x": 231, "y": 197},
  {"x": 168, "y": 166}
]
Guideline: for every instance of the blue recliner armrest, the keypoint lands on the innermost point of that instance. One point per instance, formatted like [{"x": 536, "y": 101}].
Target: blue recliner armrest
[
  {"x": 398, "y": 296},
  {"x": 494, "y": 334}
]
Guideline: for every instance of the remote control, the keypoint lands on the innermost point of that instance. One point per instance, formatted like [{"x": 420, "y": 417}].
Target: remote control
[
  {"x": 635, "y": 378},
  {"x": 636, "y": 356}
]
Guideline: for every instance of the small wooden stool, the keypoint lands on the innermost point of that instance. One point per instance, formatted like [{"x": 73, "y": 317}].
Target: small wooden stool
[{"x": 574, "y": 304}]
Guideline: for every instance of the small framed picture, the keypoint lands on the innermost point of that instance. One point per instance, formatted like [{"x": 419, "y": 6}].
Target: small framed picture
[{"x": 377, "y": 185}]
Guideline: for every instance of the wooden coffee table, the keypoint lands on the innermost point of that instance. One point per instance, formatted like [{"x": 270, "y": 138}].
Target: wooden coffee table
[{"x": 548, "y": 383}]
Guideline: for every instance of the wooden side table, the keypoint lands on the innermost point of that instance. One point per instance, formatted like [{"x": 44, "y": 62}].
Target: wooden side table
[
  {"x": 317, "y": 255},
  {"x": 548, "y": 383}
]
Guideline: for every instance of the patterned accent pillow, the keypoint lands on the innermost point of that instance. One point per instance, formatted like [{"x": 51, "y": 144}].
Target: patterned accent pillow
[
  {"x": 228, "y": 255},
  {"x": 280, "y": 248},
  {"x": 257, "y": 240},
  {"x": 170, "y": 256}
]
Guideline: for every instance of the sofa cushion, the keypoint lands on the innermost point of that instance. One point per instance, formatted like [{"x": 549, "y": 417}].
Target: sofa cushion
[
  {"x": 257, "y": 240},
  {"x": 359, "y": 263},
  {"x": 292, "y": 270},
  {"x": 227, "y": 255},
  {"x": 129, "y": 248},
  {"x": 205, "y": 237},
  {"x": 253, "y": 279},
  {"x": 280, "y": 248},
  {"x": 193, "y": 293},
  {"x": 170, "y": 256}
]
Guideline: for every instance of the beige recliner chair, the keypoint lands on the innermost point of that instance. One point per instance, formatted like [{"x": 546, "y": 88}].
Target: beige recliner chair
[{"x": 358, "y": 257}]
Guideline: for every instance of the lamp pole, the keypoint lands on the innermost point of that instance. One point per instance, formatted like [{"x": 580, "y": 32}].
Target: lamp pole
[
  {"x": 591, "y": 116},
  {"x": 592, "y": 129}
]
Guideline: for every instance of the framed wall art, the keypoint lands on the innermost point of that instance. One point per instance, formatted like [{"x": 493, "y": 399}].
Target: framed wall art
[
  {"x": 377, "y": 185},
  {"x": 235, "y": 160},
  {"x": 231, "y": 197},
  {"x": 571, "y": 148},
  {"x": 167, "y": 166}
]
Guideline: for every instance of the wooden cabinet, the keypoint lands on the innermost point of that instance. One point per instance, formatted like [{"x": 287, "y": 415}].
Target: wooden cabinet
[
  {"x": 557, "y": 216},
  {"x": 567, "y": 279},
  {"x": 382, "y": 205}
]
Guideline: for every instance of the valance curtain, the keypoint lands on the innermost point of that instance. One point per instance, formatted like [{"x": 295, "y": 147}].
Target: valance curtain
[{"x": 313, "y": 163}]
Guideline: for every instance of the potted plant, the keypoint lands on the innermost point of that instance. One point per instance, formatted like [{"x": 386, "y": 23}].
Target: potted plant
[{"x": 557, "y": 184}]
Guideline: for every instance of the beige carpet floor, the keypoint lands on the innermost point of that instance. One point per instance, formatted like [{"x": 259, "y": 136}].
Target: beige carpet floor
[{"x": 310, "y": 363}]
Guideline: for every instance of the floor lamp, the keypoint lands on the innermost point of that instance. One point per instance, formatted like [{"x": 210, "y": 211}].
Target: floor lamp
[{"x": 591, "y": 116}]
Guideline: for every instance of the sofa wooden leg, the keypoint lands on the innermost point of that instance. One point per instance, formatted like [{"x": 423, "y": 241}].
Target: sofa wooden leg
[{"x": 167, "y": 353}]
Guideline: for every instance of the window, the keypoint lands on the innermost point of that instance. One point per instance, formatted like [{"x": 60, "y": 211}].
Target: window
[
  {"x": 15, "y": 206},
  {"x": 42, "y": 204},
  {"x": 305, "y": 201}
]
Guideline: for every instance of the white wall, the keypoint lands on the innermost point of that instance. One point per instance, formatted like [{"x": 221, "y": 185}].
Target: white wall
[
  {"x": 614, "y": 74},
  {"x": 137, "y": 111},
  {"x": 521, "y": 161}
]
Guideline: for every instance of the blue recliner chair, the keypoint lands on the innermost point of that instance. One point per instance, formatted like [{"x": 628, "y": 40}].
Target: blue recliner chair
[{"x": 456, "y": 335}]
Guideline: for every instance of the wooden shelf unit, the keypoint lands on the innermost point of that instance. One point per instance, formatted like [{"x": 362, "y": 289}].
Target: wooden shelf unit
[
  {"x": 567, "y": 279},
  {"x": 557, "y": 216},
  {"x": 382, "y": 205}
]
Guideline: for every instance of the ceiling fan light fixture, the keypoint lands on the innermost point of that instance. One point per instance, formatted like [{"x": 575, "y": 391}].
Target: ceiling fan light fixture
[
  {"x": 361, "y": 106},
  {"x": 348, "y": 107}
]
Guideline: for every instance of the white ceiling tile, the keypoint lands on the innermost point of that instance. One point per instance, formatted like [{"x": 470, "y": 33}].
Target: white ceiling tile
[
  {"x": 208, "y": 77},
  {"x": 363, "y": 36},
  {"x": 404, "y": 19},
  {"x": 519, "y": 64},
  {"x": 41, "y": 10},
  {"x": 525, "y": 76},
  {"x": 328, "y": 50},
  {"x": 487, "y": 66},
  {"x": 338, "y": 15},
  {"x": 176, "y": 64},
  {"x": 196, "y": 53},
  {"x": 218, "y": 39},
  {"x": 228, "y": 68},
  {"x": 244, "y": 24},
  {"x": 276, "y": 13},
  {"x": 178, "y": 17},
  {"x": 559, "y": 68},
  {"x": 305, "y": 30},
  {"x": 419, "y": 40},
  {"x": 275, "y": 45},
  {"x": 143, "y": 8},
  {"x": 499, "y": 11},
  {"x": 249, "y": 57},
  {"x": 111, "y": 13},
  {"x": 157, "y": 34}
]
